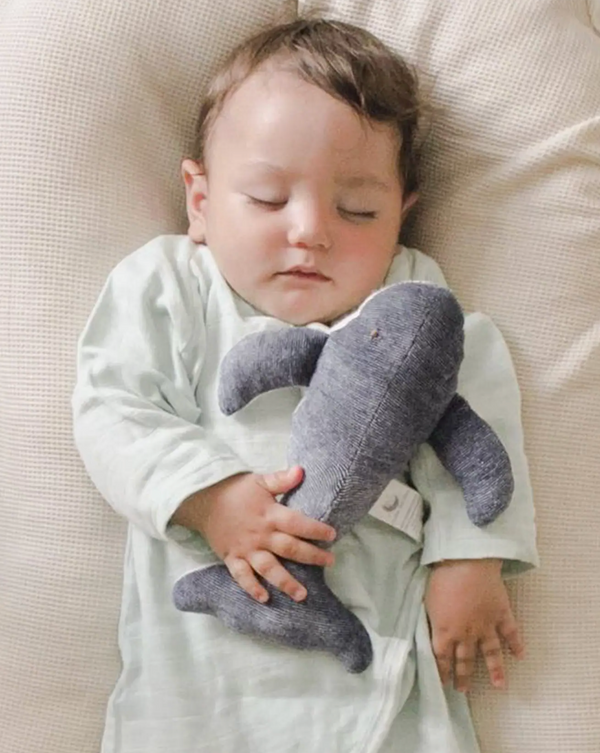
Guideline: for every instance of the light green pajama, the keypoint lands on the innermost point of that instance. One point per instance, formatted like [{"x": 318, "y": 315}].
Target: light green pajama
[{"x": 150, "y": 432}]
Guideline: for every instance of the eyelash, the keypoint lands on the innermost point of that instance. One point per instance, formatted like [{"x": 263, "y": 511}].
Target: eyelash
[
  {"x": 278, "y": 204},
  {"x": 359, "y": 215},
  {"x": 267, "y": 204}
]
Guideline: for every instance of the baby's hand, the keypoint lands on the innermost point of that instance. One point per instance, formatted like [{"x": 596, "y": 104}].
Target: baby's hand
[
  {"x": 469, "y": 611},
  {"x": 248, "y": 529}
]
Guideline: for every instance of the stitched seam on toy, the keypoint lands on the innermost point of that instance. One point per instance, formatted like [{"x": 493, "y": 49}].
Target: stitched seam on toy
[{"x": 375, "y": 415}]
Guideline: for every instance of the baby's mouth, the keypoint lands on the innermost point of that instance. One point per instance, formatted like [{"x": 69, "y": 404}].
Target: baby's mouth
[{"x": 304, "y": 273}]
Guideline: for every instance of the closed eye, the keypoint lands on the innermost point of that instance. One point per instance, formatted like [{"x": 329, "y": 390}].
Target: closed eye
[
  {"x": 266, "y": 204},
  {"x": 357, "y": 215}
]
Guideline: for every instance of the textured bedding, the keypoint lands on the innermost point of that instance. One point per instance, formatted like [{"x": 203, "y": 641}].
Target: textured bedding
[{"x": 97, "y": 103}]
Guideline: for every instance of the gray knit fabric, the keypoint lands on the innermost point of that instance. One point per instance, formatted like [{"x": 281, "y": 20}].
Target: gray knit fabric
[
  {"x": 468, "y": 447},
  {"x": 378, "y": 388}
]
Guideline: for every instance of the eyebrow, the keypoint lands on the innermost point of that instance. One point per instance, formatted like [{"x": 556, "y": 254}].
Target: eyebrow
[
  {"x": 364, "y": 181},
  {"x": 263, "y": 164},
  {"x": 351, "y": 181}
]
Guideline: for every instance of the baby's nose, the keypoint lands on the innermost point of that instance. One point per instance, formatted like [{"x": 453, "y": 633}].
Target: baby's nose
[{"x": 310, "y": 228}]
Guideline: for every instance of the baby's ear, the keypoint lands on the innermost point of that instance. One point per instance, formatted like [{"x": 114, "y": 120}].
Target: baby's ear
[
  {"x": 408, "y": 203},
  {"x": 196, "y": 193}
]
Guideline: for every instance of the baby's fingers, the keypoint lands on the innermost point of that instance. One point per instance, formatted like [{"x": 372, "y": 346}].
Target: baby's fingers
[
  {"x": 464, "y": 665},
  {"x": 281, "y": 482},
  {"x": 244, "y": 576},
  {"x": 298, "y": 550},
  {"x": 509, "y": 630},
  {"x": 271, "y": 569},
  {"x": 443, "y": 649},
  {"x": 300, "y": 526},
  {"x": 494, "y": 661}
]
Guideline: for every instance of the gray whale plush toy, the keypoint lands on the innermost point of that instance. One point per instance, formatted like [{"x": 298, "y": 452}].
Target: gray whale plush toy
[{"x": 378, "y": 387}]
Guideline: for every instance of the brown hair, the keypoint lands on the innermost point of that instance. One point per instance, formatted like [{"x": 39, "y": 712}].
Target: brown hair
[{"x": 343, "y": 60}]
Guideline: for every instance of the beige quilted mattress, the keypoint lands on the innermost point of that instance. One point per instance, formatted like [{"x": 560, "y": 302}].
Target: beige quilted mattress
[{"x": 97, "y": 102}]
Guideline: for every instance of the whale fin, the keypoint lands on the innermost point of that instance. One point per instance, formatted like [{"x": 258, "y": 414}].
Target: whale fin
[
  {"x": 266, "y": 361},
  {"x": 472, "y": 452}
]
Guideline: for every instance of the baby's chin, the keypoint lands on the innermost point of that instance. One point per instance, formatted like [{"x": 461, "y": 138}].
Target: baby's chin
[
  {"x": 322, "y": 303},
  {"x": 301, "y": 315}
]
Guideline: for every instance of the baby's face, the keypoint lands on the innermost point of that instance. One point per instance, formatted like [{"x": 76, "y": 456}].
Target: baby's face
[{"x": 301, "y": 204}]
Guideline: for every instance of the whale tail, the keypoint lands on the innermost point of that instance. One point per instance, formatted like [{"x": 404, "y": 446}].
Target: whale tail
[{"x": 319, "y": 623}]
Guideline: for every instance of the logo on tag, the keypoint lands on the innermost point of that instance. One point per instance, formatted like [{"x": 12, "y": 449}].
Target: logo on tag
[{"x": 401, "y": 507}]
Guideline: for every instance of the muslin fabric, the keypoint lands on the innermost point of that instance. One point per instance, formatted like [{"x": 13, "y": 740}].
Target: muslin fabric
[{"x": 150, "y": 430}]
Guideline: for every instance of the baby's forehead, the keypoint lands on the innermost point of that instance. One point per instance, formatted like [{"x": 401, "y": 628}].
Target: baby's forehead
[
  {"x": 280, "y": 79},
  {"x": 272, "y": 94},
  {"x": 275, "y": 80}
]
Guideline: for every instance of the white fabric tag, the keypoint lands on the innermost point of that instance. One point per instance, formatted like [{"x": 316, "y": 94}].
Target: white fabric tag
[{"x": 400, "y": 507}]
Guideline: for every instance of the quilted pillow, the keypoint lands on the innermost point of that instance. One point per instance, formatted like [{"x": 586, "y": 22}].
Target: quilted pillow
[{"x": 97, "y": 103}]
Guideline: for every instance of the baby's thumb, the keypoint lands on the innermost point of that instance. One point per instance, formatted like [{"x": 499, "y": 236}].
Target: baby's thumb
[{"x": 281, "y": 482}]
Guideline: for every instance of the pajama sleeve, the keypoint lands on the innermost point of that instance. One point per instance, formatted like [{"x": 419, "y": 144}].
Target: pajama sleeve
[
  {"x": 136, "y": 422},
  {"x": 488, "y": 381}
]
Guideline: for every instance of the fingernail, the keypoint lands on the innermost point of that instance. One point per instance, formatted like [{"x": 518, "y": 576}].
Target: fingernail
[
  {"x": 262, "y": 597},
  {"x": 299, "y": 595}
]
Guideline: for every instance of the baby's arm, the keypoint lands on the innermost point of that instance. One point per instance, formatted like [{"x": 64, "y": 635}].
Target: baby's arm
[
  {"x": 467, "y": 602},
  {"x": 138, "y": 426}
]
